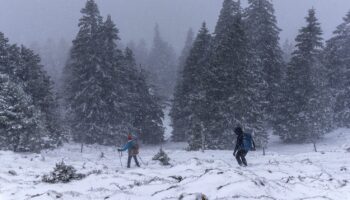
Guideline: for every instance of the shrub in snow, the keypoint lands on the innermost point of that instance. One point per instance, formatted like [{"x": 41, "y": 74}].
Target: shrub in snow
[
  {"x": 13, "y": 172},
  {"x": 201, "y": 197},
  {"x": 96, "y": 172},
  {"x": 178, "y": 178},
  {"x": 62, "y": 173},
  {"x": 348, "y": 149},
  {"x": 162, "y": 157}
]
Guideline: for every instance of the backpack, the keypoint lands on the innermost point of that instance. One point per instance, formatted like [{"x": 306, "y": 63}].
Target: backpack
[
  {"x": 135, "y": 147},
  {"x": 247, "y": 142}
]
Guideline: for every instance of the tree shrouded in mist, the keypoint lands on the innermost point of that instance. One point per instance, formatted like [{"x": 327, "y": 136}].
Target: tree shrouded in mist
[
  {"x": 29, "y": 118},
  {"x": 194, "y": 101},
  {"x": 263, "y": 35},
  {"x": 162, "y": 65},
  {"x": 178, "y": 117},
  {"x": 304, "y": 113},
  {"x": 337, "y": 59},
  {"x": 104, "y": 88}
]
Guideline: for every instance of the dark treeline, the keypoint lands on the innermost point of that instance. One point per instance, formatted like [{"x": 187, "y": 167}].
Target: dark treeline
[{"x": 239, "y": 75}]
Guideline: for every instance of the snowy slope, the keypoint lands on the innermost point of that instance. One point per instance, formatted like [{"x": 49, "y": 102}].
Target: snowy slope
[{"x": 287, "y": 172}]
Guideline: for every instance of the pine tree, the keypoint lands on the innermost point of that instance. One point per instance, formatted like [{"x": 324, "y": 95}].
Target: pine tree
[
  {"x": 303, "y": 116},
  {"x": 185, "y": 51},
  {"x": 107, "y": 97},
  {"x": 4, "y": 55},
  {"x": 114, "y": 81},
  {"x": 140, "y": 51},
  {"x": 22, "y": 66},
  {"x": 224, "y": 53},
  {"x": 263, "y": 34},
  {"x": 162, "y": 65},
  {"x": 337, "y": 60},
  {"x": 178, "y": 119},
  {"x": 84, "y": 84},
  {"x": 234, "y": 81},
  {"x": 38, "y": 85},
  {"x": 144, "y": 106},
  {"x": 21, "y": 125},
  {"x": 193, "y": 99}
]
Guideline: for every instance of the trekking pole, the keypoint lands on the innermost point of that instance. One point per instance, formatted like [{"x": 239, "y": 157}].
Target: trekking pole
[
  {"x": 142, "y": 160},
  {"x": 120, "y": 159}
]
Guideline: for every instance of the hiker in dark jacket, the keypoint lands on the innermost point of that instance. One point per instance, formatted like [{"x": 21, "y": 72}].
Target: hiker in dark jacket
[
  {"x": 244, "y": 143},
  {"x": 132, "y": 148}
]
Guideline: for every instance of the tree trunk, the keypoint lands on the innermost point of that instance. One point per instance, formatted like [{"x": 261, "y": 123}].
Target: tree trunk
[
  {"x": 81, "y": 147},
  {"x": 264, "y": 151},
  {"x": 203, "y": 137},
  {"x": 315, "y": 148}
]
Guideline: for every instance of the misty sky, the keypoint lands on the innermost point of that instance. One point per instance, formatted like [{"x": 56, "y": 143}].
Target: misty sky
[{"x": 26, "y": 21}]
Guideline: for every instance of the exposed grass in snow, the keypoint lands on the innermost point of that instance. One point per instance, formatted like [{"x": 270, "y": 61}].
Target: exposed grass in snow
[{"x": 286, "y": 172}]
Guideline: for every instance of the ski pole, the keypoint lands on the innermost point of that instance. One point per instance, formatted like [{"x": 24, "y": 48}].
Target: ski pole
[
  {"x": 142, "y": 160},
  {"x": 120, "y": 159}
]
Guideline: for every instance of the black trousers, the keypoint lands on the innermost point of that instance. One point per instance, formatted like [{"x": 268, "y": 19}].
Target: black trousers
[
  {"x": 240, "y": 157},
  {"x": 135, "y": 158}
]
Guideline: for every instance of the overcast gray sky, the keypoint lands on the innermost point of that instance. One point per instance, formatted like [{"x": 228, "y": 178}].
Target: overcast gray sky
[{"x": 25, "y": 21}]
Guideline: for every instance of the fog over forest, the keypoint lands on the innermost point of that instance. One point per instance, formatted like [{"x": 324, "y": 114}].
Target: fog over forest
[
  {"x": 31, "y": 21},
  {"x": 175, "y": 99}
]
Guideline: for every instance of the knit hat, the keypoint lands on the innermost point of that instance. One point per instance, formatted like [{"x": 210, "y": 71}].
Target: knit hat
[
  {"x": 238, "y": 130},
  {"x": 129, "y": 137}
]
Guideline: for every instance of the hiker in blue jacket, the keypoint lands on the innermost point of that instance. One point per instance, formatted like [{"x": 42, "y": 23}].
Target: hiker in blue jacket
[
  {"x": 244, "y": 144},
  {"x": 133, "y": 149}
]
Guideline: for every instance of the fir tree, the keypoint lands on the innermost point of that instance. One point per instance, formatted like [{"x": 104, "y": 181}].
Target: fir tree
[
  {"x": 107, "y": 97},
  {"x": 220, "y": 81},
  {"x": 23, "y": 67},
  {"x": 185, "y": 51},
  {"x": 38, "y": 85},
  {"x": 234, "y": 81},
  {"x": 263, "y": 34},
  {"x": 193, "y": 99},
  {"x": 21, "y": 126},
  {"x": 140, "y": 51},
  {"x": 4, "y": 54},
  {"x": 113, "y": 80},
  {"x": 337, "y": 60},
  {"x": 144, "y": 106},
  {"x": 303, "y": 116},
  {"x": 85, "y": 92},
  {"x": 162, "y": 65},
  {"x": 178, "y": 119}
]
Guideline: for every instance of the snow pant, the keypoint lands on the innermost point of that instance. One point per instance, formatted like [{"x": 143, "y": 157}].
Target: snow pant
[
  {"x": 240, "y": 157},
  {"x": 135, "y": 158}
]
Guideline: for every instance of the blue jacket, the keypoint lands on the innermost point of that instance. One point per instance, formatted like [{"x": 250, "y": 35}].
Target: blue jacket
[
  {"x": 127, "y": 146},
  {"x": 240, "y": 143}
]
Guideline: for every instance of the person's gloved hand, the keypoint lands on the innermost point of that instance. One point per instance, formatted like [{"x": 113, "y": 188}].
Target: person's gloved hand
[
  {"x": 119, "y": 150},
  {"x": 234, "y": 153}
]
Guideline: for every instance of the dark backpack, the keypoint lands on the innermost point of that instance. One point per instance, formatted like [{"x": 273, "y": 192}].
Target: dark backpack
[{"x": 247, "y": 142}]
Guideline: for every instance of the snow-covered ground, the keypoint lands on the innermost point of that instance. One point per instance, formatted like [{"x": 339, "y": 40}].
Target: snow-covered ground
[{"x": 286, "y": 172}]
